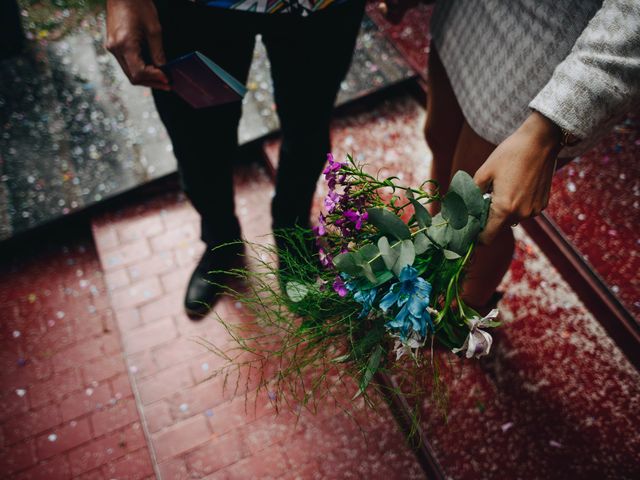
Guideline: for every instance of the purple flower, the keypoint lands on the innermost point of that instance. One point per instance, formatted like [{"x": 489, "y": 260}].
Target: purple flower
[
  {"x": 340, "y": 287},
  {"x": 356, "y": 218},
  {"x": 321, "y": 228},
  {"x": 345, "y": 229},
  {"x": 331, "y": 201},
  {"x": 325, "y": 258},
  {"x": 333, "y": 166},
  {"x": 359, "y": 203},
  {"x": 363, "y": 218},
  {"x": 329, "y": 166},
  {"x": 331, "y": 172}
]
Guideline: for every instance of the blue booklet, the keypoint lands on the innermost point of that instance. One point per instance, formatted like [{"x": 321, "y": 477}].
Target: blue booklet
[{"x": 201, "y": 82}]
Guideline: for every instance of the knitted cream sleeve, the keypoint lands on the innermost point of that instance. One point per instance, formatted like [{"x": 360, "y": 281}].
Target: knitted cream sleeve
[{"x": 599, "y": 81}]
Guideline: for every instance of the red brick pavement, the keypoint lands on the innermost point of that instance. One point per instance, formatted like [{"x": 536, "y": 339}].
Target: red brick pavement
[
  {"x": 198, "y": 429},
  {"x": 410, "y": 36},
  {"x": 101, "y": 377},
  {"x": 66, "y": 406}
]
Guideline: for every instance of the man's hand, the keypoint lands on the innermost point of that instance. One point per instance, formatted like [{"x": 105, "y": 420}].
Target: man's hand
[
  {"x": 519, "y": 173},
  {"x": 132, "y": 26}
]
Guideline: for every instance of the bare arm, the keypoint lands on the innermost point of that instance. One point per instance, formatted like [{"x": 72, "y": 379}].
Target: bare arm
[{"x": 132, "y": 26}]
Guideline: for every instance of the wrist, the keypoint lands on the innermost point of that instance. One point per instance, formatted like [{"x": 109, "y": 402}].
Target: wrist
[{"x": 543, "y": 131}]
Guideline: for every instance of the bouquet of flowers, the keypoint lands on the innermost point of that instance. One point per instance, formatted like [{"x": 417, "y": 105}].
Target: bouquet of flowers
[{"x": 371, "y": 289}]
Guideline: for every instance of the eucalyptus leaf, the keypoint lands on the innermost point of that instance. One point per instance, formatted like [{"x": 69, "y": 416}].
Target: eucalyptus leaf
[
  {"x": 440, "y": 231},
  {"x": 463, "y": 185},
  {"x": 388, "y": 223},
  {"x": 389, "y": 256},
  {"x": 460, "y": 240},
  {"x": 368, "y": 251},
  {"x": 398, "y": 256},
  {"x": 348, "y": 263},
  {"x": 406, "y": 257},
  {"x": 296, "y": 291},
  {"x": 366, "y": 270},
  {"x": 371, "y": 254},
  {"x": 454, "y": 210},
  {"x": 382, "y": 277},
  {"x": 421, "y": 243},
  {"x": 422, "y": 215}
]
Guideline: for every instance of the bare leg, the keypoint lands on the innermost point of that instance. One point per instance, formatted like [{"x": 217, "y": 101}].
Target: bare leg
[
  {"x": 456, "y": 146},
  {"x": 444, "y": 122},
  {"x": 490, "y": 262}
]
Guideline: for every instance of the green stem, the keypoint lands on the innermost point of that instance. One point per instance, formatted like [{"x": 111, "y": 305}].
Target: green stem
[
  {"x": 453, "y": 283},
  {"x": 373, "y": 184}
]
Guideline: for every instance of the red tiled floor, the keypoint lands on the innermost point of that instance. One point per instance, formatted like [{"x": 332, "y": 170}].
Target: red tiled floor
[
  {"x": 198, "y": 428},
  {"x": 410, "y": 36},
  {"x": 595, "y": 203},
  {"x": 64, "y": 381},
  {"x": 386, "y": 136}
]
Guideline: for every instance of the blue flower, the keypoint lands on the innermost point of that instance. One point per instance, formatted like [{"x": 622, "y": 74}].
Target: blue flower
[
  {"x": 411, "y": 293},
  {"x": 364, "y": 297}
]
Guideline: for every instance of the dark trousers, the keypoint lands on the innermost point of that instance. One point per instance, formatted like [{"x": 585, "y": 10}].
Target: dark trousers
[{"x": 309, "y": 58}]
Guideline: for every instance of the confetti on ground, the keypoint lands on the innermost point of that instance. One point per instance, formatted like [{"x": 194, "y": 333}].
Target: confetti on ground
[{"x": 506, "y": 426}]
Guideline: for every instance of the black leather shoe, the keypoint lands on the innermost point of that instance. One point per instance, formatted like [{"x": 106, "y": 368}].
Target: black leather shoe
[{"x": 208, "y": 278}]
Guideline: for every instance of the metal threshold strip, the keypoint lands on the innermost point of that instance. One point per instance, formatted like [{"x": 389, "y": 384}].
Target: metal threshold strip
[{"x": 416, "y": 440}]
